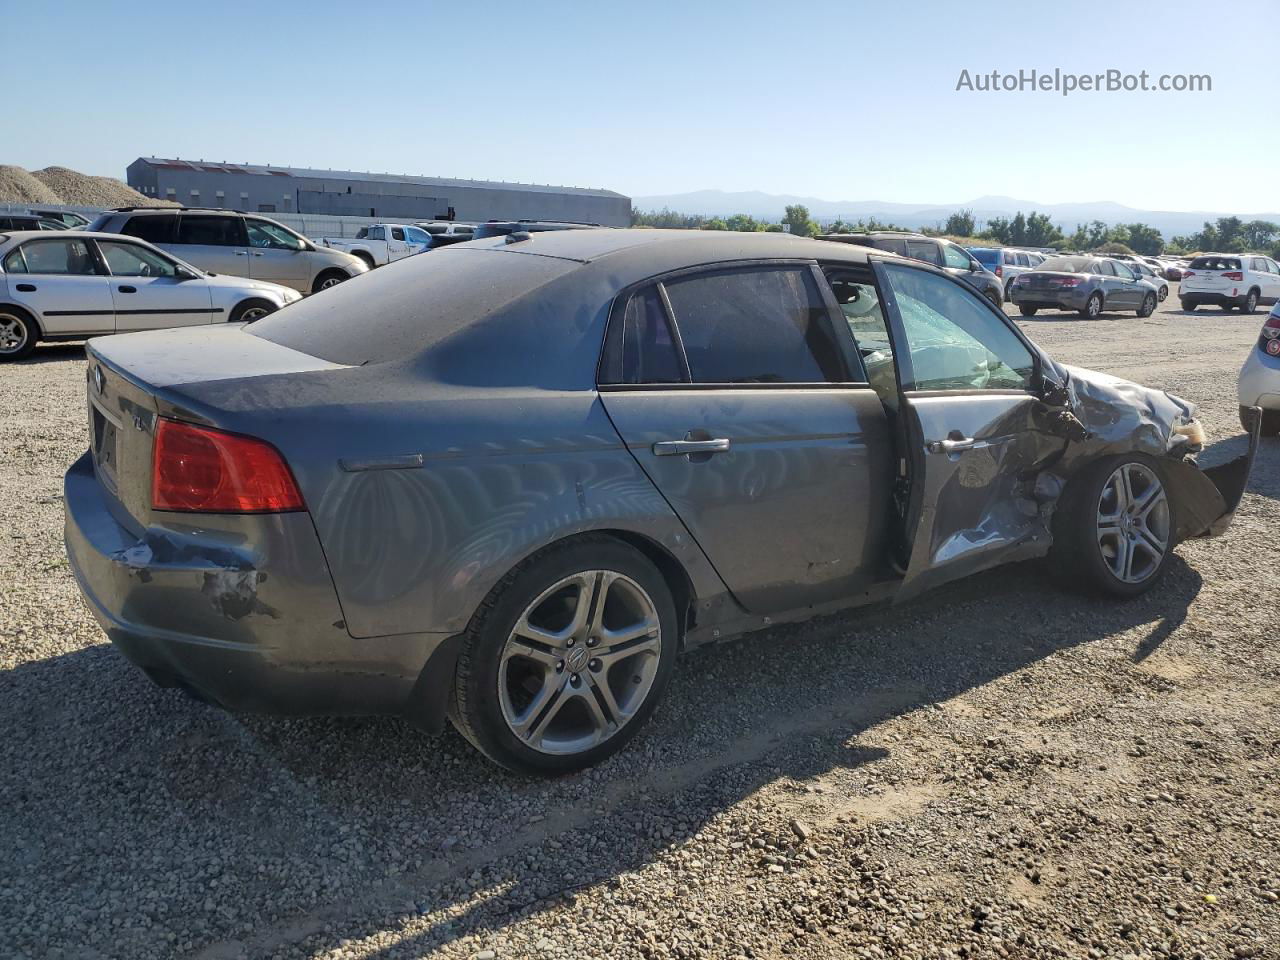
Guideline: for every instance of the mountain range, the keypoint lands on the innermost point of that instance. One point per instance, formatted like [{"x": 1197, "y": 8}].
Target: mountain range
[{"x": 1066, "y": 215}]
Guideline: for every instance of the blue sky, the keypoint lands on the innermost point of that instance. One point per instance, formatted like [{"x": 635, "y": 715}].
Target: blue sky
[{"x": 841, "y": 100}]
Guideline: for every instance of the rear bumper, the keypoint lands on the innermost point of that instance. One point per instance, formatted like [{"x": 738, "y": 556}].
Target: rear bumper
[
  {"x": 211, "y": 616},
  {"x": 1070, "y": 298},
  {"x": 1201, "y": 297}
]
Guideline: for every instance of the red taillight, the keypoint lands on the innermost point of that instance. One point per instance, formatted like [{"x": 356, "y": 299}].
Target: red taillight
[
  {"x": 1187, "y": 273},
  {"x": 1064, "y": 281},
  {"x": 1235, "y": 275},
  {"x": 196, "y": 469}
]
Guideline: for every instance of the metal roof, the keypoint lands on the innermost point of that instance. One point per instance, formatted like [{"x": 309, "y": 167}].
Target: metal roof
[{"x": 199, "y": 166}]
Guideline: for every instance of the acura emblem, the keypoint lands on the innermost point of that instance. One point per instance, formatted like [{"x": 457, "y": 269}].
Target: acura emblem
[{"x": 99, "y": 381}]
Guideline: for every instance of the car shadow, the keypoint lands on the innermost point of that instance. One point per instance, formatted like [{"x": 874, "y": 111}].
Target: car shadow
[
  {"x": 338, "y": 828},
  {"x": 56, "y": 352}
]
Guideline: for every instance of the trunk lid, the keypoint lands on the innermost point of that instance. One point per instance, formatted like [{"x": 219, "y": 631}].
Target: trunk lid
[{"x": 133, "y": 379}]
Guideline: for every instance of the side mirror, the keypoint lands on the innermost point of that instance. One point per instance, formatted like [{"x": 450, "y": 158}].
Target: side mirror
[{"x": 183, "y": 273}]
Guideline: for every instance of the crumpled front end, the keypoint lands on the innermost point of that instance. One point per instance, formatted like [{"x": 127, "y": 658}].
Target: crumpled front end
[{"x": 1118, "y": 416}]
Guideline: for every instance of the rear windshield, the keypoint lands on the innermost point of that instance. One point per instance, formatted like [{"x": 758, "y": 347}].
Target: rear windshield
[
  {"x": 397, "y": 311},
  {"x": 986, "y": 257},
  {"x": 1215, "y": 263},
  {"x": 1067, "y": 264}
]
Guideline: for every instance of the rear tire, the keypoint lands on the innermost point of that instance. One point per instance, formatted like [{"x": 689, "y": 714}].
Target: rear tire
[
  {"x": 1226, "y": 307},
  {"x": 1270, "y": 426},
  {"x": 1111, "y": 522},
  {"x": 1250, "y": 302},
  {"x": 19, "y": 334},
  {"x": 1148, "y": 305},
  {"x": 1189, "y": 306},
  {"x": 1093, "y": 307},
  {"x": 1027, "y": 311},
  {"x": 540, "y": 691},
  {"x": 250, "y": 310}
]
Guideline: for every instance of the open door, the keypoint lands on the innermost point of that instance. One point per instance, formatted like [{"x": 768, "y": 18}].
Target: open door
[{"x": 971, "y": 429}]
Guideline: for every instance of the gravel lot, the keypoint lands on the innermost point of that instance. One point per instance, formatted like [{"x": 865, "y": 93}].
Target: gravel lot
[{"x": 1002, "y": 769}]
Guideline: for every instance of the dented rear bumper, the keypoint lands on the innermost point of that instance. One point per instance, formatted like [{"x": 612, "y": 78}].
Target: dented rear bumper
[{"x": 250, "y": 623}]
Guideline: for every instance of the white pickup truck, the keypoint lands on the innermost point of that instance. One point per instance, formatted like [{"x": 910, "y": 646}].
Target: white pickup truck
[{"x": 382, "y": 243}]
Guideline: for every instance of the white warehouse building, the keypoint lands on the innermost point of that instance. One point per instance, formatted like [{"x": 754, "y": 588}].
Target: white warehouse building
[{"x": 267, "y": 189}]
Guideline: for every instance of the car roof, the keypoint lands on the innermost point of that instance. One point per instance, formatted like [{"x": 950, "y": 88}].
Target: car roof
[{"x": 696, "y": 246}]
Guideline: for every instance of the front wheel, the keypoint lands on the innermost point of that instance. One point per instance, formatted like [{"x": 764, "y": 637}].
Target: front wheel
[
  {"x": 1148, "y": 305},
  {"x": 1113, "y": 531},
  {"x": 1027, "y": 311},
  {"x": 994, "y": 297},
  {"x": 330, "y": 278},
  {"x": 1093, "y": 307},
  {"x": 1164, "y": 292},
  {"x": 566, "y": 658},
  {"x": 251, "y": 310},
  {"x": 1189, "y": 305}
]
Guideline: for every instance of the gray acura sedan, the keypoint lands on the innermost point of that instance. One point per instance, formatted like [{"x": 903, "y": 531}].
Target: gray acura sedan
[{"x": 509, "y": 482}]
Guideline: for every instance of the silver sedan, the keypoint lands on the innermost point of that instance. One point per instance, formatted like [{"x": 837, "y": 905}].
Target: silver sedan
[{"x": 73, "y": 284}]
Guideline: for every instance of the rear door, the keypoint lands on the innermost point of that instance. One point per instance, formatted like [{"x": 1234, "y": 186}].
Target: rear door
[
  {"x": 213, "y": 242},
  {"x": 752, "y": 415},
  {"x": 63, "y": 284},
  {"x": 971, "y": 428},
  {"x": 277, "y": 255},
  {"x": 149, "y": 292},
  {"x": 397, "y": 246},
  {"x": 1129, "y": 291}
]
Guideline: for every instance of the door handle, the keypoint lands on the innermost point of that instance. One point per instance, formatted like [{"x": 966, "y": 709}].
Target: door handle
[
  {"x": 953, "y": 446},
  {"x": 257, "y": 254},
  {"x": 241, "y": 253},
  {"x": 127, "y": 289},
  {"x": 676, "y": 448},
  {"x": 27, "y": 287}
]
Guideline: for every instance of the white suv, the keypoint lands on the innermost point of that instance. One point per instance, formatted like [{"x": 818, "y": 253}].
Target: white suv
[
  {"x": 1260, "y": 376},
  {"x": 1229, "y": 280}
]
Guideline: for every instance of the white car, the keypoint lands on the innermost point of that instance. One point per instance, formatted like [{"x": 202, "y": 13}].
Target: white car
[
  {"x": 1260, "y": 376},
  {"x": 1150, "y": 274},
  {"x": 382, "y": 243},
  {"x": 1229, "y": 280},
  {"x": 73, "y": 284}
]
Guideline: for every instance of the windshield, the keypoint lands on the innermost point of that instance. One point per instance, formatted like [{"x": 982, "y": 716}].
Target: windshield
[
  {"x": 1067, "y": 264},
  {"x": 1215, "y": 263}
]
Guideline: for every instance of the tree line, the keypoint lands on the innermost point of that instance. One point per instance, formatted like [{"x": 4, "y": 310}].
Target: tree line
[{"x": 1226, "y": 235}]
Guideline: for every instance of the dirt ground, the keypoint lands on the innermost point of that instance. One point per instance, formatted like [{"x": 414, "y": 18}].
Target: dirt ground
[{"x": 1003, "y": 769}]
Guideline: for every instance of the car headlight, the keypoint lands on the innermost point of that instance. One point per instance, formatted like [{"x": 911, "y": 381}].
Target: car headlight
[{"x": 1191, "y": 431}]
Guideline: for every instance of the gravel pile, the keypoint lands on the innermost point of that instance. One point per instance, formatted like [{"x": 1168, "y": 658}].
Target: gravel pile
[
  {"x": 81, "y": 189},
  {"x": 1002, "y": 769},
  {"x": 19, "y": 186}
]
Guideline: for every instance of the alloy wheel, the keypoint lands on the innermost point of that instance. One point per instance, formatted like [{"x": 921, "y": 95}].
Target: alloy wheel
[
  {"x": 254, "y": 313},
  {"x": 579, "y": 662},
  {"x": 13, "y": 333},
  {"x": 1134, "y": 522},
  {"x": 330, "y": 282}
]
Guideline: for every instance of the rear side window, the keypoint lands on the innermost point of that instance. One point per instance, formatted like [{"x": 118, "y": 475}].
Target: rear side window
[
  {"x": 212, "y": 231},
  {"x": 66, "y": 257},
  {"x": 925, "y": 250},
  {"x": 988, "y": 258},
  {"x": 153, "y": 229},
  {"x": 397, "y": 233},
  {"x": 644, "y": 351},
  {"x": 1215, "y": 263},
  {"x": 756, "y": 326},
  {"x": 377, "y": 233}
]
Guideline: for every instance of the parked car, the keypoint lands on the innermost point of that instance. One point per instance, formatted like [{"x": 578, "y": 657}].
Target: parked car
[
  {"x": 68, "y": 218},
  {"x": 951, "y": 257},
  {"x": 447, "y": 228},
  {"x": 237, "y": 244},
  {"x": 71, "y": 285},
  {"x": 1090, "y": 285},
  {"x": 1230, "y": 280},
  {"x": 1174, "y": 269},
  {"x": 712, "y": 436},
  {"x": 382, "y": 243},
  {"x": 502, "y": 228},
  {"x": 22, "y": 221},
  {"x": 1006, "y": 263},
  {"x": 1260, "y": 377},
  {"x": 1151, "y": 275}
]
